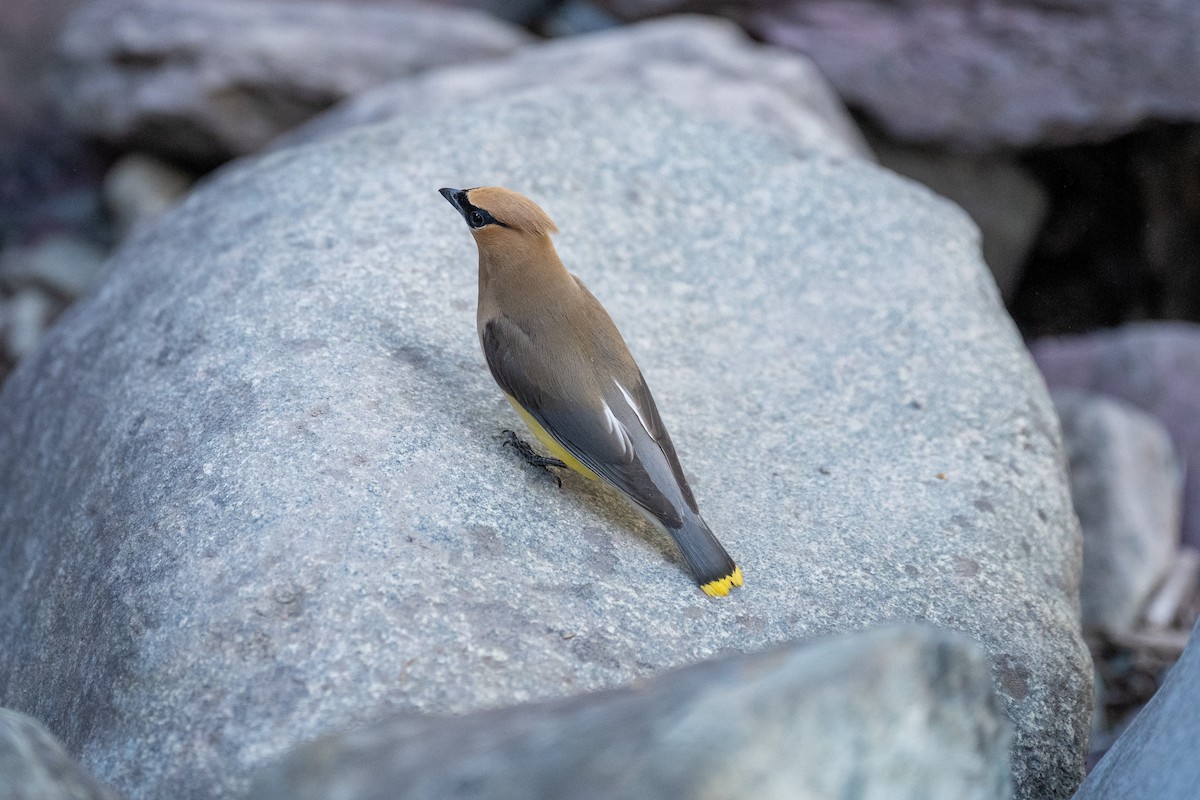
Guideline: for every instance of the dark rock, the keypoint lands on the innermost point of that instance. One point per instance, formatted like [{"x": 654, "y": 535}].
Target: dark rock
[
  {"x": 49, "y": 185},
  {"x": 576, "y": 17},
  {"x": 1121, "y": 237},
  {"x": 1166, "y": 163},
  {"x": 644, "y": 9},
  {"x": 522, "y": 12}
]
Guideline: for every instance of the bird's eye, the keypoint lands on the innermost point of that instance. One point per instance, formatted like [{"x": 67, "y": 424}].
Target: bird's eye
[{"x": 477, "y": 219}]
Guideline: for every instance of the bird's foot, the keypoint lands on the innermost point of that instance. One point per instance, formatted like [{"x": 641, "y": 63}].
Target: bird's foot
[{"x": 531, "y": 457}]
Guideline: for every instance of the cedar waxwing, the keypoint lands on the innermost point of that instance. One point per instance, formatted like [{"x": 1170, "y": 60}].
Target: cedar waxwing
[{"x": 565, "y": 368}]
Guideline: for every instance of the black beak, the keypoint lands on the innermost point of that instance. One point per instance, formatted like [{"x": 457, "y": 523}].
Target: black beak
[{"x": 458, "y": 199}]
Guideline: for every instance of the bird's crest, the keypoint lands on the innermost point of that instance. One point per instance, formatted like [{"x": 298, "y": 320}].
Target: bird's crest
[{"x": 512, "y": 209}]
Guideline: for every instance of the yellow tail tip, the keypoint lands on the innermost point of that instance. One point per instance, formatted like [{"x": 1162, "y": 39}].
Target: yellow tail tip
[{"x": 721, "y": 586}]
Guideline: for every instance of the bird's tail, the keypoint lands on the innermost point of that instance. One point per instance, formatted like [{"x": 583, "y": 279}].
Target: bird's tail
[{"x": 712, "y": 567}]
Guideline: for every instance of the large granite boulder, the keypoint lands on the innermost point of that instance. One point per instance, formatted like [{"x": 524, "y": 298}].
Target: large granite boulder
[
  {"x": 204, "y": 80},
  {"x": 703, "y": 65},
  {"x": 1002, "y": 196},
  {"x": 906, "y": 713},
  {"x": 257, "y": 489}
]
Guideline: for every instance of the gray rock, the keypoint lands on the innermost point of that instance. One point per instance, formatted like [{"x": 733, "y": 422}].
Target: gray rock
[
  {"x": 1005, "y": 201},
  {"x": 62, "y": 263},
  {"x": 699, "y": 64},
  {"x": 1127, "y": 486},
  {"x": 34, "y": 766},
  {"x": 1003, "y": 73},
  {"x": 1154, "y": 759},
  {"x": 28, "y": 29},
  {"x": 1154, "y": 366},
  {"x": 899, "y": 713},
  {"x": 139, "y": 187},
  {"x": 291, "y": 510},
  {"x": 209, "y": 79},
  {"x": 25, "y": 321}
]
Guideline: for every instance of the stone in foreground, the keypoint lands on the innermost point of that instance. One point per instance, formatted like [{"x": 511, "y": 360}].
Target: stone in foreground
[
  {"x": 898, "y": 714},
  {"x": 258, "y": 492},
  {"x": 34, "y": 766},
  {"x": 1155, "y": 758}
]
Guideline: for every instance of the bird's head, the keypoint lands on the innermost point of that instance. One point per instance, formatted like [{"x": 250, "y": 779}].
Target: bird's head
[{"x": 496, "y": 215}]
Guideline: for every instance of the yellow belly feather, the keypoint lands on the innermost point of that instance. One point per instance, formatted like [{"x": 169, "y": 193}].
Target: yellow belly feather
[
  {"x": 556, "y": 449},
  {"x": 717, "y": 588}
]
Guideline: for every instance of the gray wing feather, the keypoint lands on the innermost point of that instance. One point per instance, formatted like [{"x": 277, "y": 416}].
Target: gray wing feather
[{"x": 625, "y": 445}]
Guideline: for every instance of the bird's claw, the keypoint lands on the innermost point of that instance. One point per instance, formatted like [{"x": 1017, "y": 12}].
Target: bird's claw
[{"x": 531, "y": 456}]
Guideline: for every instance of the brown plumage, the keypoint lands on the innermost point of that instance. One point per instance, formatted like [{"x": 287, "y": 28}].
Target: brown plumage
[
  {"x": 563, "y": 364},
  {"x": 515, "y": 210}
]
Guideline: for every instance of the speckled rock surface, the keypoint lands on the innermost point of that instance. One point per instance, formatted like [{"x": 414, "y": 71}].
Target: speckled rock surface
[
  {"x": 703, "y": 65},
  {"x": 258, "y": 491},
  {"x": 905, "y": 713},
  {"x": 1002, "y": 196}
]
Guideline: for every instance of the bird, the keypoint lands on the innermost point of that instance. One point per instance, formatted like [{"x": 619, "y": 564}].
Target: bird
[{"x": 560, "y": 360}]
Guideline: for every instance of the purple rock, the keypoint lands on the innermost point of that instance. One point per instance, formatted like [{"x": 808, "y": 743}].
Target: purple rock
[{"x": 984, "y": 74}]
